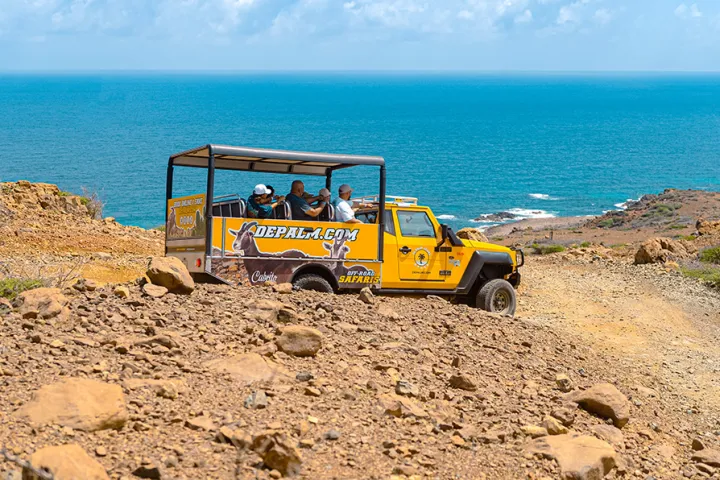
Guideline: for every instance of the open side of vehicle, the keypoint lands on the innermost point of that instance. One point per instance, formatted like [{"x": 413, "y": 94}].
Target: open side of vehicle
[{"x": 399, "y": 248}]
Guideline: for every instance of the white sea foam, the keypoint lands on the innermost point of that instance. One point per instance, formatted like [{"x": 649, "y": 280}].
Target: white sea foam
[
  {"x": 542, "y": 196},
  {"x": 624, "y": 205},
  {"x": 446, "y": 217},
  {"x": 526, "y": 213}
]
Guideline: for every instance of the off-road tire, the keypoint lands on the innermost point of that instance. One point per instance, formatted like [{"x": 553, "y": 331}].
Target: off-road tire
[
  {"x": 311, "y": 281},
  {"x": 497, "y": 296}
]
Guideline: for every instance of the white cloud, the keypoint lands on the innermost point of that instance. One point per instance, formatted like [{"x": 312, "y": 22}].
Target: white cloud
[
  {"x": 572, "y": 13},
  {"x": 525, "y": 17},
  {"x": 684, "y": 11},
  {"x": 603, "y": 16}
]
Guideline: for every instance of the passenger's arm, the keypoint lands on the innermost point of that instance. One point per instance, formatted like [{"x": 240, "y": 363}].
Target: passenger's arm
[
  {"x": 353, "y": 220},
  {"x": 314, "y": 212}
]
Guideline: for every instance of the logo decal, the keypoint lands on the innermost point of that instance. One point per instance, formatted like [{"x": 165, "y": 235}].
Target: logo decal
[{"x": 422, "y": 257}]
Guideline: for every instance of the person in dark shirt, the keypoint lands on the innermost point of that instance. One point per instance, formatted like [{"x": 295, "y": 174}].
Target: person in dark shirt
[
  {"x": 260, "y": 203},
  {"x": 300, "y": 206}
]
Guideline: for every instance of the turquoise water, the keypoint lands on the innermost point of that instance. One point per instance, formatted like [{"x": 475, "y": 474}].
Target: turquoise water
[{"x": 466, "y": 145}]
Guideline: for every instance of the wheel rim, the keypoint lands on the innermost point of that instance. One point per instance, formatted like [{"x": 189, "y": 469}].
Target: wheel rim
[{"x": 501, "y": 302}]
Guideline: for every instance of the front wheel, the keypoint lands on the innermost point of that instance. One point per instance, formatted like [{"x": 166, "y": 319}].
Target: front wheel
[
  {"x": 312, "y": 282},
  {"x": 497, "y": 296}
]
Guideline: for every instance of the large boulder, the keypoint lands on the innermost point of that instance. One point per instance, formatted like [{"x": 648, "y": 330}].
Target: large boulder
[
  {"x": 250, "y": 368},
  {"x": 42, "y": 303},
  {"x": 171, "y": 273},
  {"x": 300, "y": 341},
  {"x": 65, "y": 462},
  {"x": 708, "y": 227},
  {"x": 579, "y": 457},
  {"x": 662, "y": 250},
  {"x": 79, "y": 403},
  {"x": 473, "y": 234},
  {"x": 604, "y": 400}
]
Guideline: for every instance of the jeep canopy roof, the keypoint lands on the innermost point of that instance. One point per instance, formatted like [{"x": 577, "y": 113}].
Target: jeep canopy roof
[{"x": 270, "y": 161}]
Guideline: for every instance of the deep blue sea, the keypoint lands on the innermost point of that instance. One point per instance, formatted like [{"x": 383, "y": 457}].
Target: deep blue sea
[{"x": 466, "y": 145}]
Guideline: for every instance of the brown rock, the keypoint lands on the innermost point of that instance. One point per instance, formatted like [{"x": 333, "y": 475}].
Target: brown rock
[
  {"x": 171, "y": 273},
  {"x": 609, "y": 433},
  {"x": 278, "y": 452},
  {"x": 708, "y": 456},
  {"x": 697, "y": 444},
  {"x": 534, "y": 431},
  {"x": 579, "y": 457},
  {"x": 553, "y": 426},
  {"x": 300, "y": 341},
  {"x": 473, "y": 234},
  {"x": 78, "y": 403},
  {"x": 283, "y": 288},
  {"x": 662, "y": 250},
  {"x": 563, "y": 382},
  {"x": 201, "y": 423},
  {"x": 366, "y": 296},
  {"x": 707, "y": 227},
  {"x": 122, "y": 291},
  {"x": 250, "y": 368},
  {"x": 398, "y": 406},
  {"x": 42, "y": 303},
  {"x": 155, "y": 291},
  {"x": 604, "y": 400},
  {"x": 463, "y": 382},
  {"x": 66, "y": 462}
]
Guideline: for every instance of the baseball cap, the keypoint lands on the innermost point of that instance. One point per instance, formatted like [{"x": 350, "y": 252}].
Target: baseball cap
[
  {"x": 260, "y": 189},
  {"x": 344, "y": 188},
  {"x": 324, "y": 192}
]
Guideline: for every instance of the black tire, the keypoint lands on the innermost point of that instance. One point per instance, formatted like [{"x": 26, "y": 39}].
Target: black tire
[
  {"x": 311, "y": 281},
  {"x": 497, "y": 296}
]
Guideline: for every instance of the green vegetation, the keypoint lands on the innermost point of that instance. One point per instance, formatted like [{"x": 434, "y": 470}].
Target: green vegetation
[
  {"x": 710, "y": 255},
  {"x": 610, "y": 222},
  {"x": 546, "y": 249},
  {"x": 662, "y": 210},
  {"x": 689, "y": 238},
  {"x": 677, "y": 227},
  {"x": 63, "y": 193},
  {"x": 709, "y": 275},
  {"x": 160, "y": 228},
  {"x": 584, "y": 244},
  {"x": 618, "y": 245},
  {"x": 12, "y": 287}
]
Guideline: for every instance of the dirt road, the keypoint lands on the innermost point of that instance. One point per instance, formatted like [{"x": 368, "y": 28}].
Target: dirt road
[{"x": 639, "y": 315}]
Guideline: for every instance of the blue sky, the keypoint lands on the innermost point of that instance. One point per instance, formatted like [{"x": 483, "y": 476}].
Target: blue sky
[{"x": 488, "y": 35}]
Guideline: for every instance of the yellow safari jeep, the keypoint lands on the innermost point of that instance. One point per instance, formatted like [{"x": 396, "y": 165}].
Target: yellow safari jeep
[{"x": 400, "y": 248}]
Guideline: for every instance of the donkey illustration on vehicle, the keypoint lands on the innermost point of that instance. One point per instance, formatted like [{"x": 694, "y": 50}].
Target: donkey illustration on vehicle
[{"x": 255, "y": 260}]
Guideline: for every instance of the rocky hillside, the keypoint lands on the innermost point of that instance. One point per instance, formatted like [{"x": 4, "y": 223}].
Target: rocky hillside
[{"x": 609, "y": 371}]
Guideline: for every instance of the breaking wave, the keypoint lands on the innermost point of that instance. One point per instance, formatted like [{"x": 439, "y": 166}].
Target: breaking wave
[
  {"x": 523, "y": 213},
  {"x": 542, "y": 196},
  {"x": 446, "y": 217},
  {"x": 624, "y": 205}
]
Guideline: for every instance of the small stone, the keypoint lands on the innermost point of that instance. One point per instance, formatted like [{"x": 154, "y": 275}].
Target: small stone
[
  {"x": 698, "y": 444},
  {"x": 283, "y": 288},
  {"x": 463, "y": 382},
  {"x": 534, "y": 431},
  {"x": 300, "y": 341},
  {"x": 553, "y": 426},
  {"x": 122, "y": 291},
  {"x": 147, "y": 471},
  {"x": 707, "y": 456},
  {"x": 332, "y": 435},
  {"x": 565, "y": 415},
  {"x": 307, "y": 443},
  {"x": 304, "y": 377},
  {"x": 366, "y": 296},
  {"x": 155, "y": 291},
  {"x": 100, "y": 451},
  {"x": 563, "y": 382},
  {"x": 406, "y": 388},
  {"x": 201, "y": 423},
  {"x": 458, "y": 441},
  {"x": 312, "y": 391},
  {"x": 256, "y": 400},
  {"x": 275, "y": 474}
]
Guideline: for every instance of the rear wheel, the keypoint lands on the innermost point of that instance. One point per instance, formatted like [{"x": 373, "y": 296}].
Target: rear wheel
[
  {"x": 311, "y": 281},
  {"x": 497, "y": 296}
]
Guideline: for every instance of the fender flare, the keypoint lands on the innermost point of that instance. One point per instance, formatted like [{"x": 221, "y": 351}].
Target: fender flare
[{"x": 477, "y": 265}]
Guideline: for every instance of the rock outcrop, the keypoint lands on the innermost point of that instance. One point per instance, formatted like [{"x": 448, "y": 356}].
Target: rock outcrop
[
  {"x": 65, "y": 462},
  {"x": 662, "y": 250},
  {"x": 474, "y": 234},
  {"x": 580, "y": 457},
  {"x": 78, "y": 403},
  {"x": 42, "y": 303},
  {"x": 707, "y": 227}
]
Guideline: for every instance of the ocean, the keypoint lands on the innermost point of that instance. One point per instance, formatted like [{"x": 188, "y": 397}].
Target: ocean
[{"x": 466, "y": 145}]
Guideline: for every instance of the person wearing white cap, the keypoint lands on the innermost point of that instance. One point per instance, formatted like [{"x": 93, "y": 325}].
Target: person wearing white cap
[
  {"x": 344, "y": 211},
  {"x": 260, "y": 204}
]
